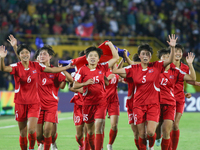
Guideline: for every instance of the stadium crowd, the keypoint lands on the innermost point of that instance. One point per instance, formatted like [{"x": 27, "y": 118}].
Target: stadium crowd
[{"x": 157, "y": 18}]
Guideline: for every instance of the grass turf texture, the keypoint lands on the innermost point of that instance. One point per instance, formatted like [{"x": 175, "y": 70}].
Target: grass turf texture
[{"x": 189, "y": 133}]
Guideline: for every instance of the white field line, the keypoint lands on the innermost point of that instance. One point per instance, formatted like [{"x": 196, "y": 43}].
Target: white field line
[{"x": 12, "y": 126}]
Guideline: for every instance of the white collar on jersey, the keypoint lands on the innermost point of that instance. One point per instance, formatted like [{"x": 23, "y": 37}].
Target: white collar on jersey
[
  {"x": 144, "y": 69},
  {"x": 93, "y": 69}
]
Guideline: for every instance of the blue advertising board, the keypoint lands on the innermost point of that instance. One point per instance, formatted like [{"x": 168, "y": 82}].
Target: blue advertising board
[{"x": 191, "y": 104}]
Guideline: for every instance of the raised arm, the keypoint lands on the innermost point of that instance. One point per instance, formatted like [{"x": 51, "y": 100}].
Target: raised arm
[
  {"x": 115, "y": 58},
  {"x": 128, "y": 60},
  {"x": 121, "y": 63},
  {"x": 13, "y": 42},
  {"x": 3, "y": 54},
  {"x": 192, "y": 75},
  {"x": 57, "y": 69},
  {"x": 121, "y": 71},
  {"x": 172, "y": 44},
  {"x": 67, "y": 75}
]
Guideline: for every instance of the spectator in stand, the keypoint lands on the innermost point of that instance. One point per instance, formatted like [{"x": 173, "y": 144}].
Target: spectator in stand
[{"x": 154, "y": 18}]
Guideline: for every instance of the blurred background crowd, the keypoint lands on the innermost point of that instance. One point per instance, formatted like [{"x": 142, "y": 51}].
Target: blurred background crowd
[{"x": 131, "y": 18}]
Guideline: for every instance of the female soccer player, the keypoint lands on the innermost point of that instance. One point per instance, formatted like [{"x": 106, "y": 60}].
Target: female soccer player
[
  {"x": 112, "y": 104},
  {"x": 130, "y": 97},
  {"x": 48, "y": 91},
  {"x": 77, "y": 116},
  {"x": 45, "y": 59},
  {"x": 146, "y": 102},
  {"x": 27, "y": 102},
  {"x": 179, "y": 95},
  {"x": 167, "y": 80},
  {"x": 91, "y": 78}
]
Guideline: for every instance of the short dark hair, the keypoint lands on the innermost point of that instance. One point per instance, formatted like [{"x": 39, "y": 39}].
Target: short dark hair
[
  {"x": 48, "y": 48},
  {"x": 180, "y": 47},
  {"x": 163, "y": 51},
  {"x": 82, "y": 53},
  {"x": 145, "y": 46},
  {"x": 93, "y": 48},
  {"x": 36, "y": 54},
  {"x": 23, "y": 46},
  {"x": 136, "y": 58}
]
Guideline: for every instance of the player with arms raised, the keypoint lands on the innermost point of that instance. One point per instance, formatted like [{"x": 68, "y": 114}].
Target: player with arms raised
[
  {"x": 91, "y": 78},
  {"x": 168, "y": 79},
  {"x": 146, "y": 100},
  {"x": 27, "y": 102}
]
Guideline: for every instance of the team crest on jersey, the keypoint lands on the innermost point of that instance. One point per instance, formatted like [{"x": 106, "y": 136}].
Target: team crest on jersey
[
  {"x": 34, "y": 71},
  {"x": 100, "y": 72},
  {"x": 51, "y": 76},
  {"x": 151, "y": 70},
  {"x": 171, "y": 76}
]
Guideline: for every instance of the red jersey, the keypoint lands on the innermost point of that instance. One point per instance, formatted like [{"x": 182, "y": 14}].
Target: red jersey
[
  {"x": 179, "y": 86},
  {"x": 93, "y": 94},
  {"x": 48, "y": 89},
  {"x": 111, "y": 89},
  {"x": 129, "y": 102},
  {"x": 167, "y": 81},
  {"x": 77, "y": 98},
  {"x": 26, "y": 81},
  {"x": 146, "y": 82}
]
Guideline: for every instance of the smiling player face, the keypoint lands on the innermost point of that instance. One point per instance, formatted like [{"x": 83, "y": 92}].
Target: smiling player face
[
  {"x": 178, "y": 54},
  {"x": 24, "y": 55}
]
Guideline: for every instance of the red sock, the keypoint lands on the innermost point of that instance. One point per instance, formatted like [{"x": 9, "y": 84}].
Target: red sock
[
  {"x": 32, "y": 139},
  {"x": 80, "y": 141},
  {"x": 103, "y": 139},
  {"x": 175, "y": 139},
  {"x": 54, "y": 138},
  {"x": 112, "y": 136},
  {"x": 98, "y": 141},
  {"x": 170, "y": 142},
  {"x": 40, "y": 140},
  {"x": 23, "y": 142},
  {"x": 151, "y": 140},
  {"x": 137, "y": 143},
  {"x": 165, "y": 144},
  {"x": 86, "y": 144},
  {"x": 47, "y": 143},
  {"x": 91, "y": 139},
  {"x": 142, "y": 143}
]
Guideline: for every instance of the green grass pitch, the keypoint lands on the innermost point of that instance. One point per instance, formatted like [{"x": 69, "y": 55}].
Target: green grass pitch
[{"x": 189, "y": 133}]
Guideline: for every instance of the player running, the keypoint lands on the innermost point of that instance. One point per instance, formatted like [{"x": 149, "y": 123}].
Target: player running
[
  {"x": 167, "y": 80},
  {"x": 27, "y": 102},
  {"x": 91, "y": 78},
  {"x": 146, "y": 101}
]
